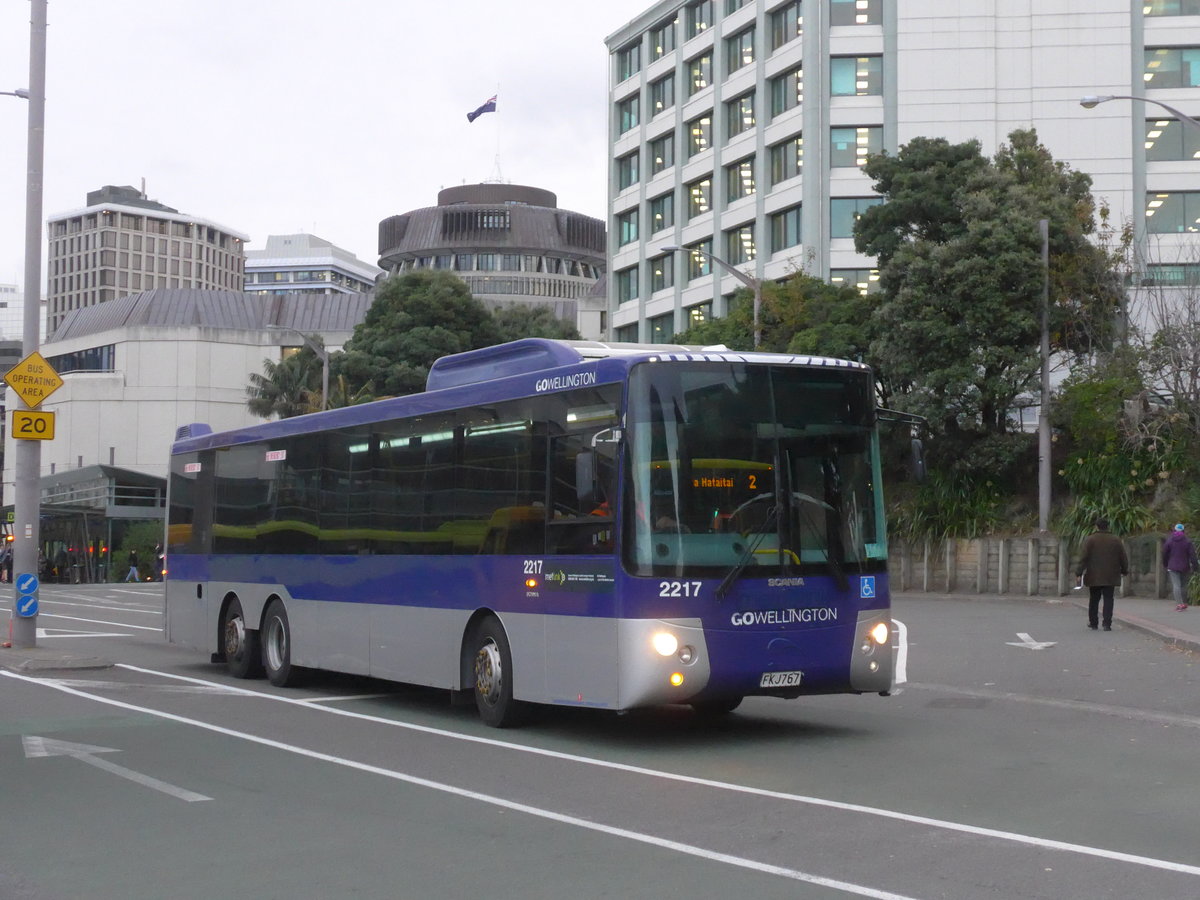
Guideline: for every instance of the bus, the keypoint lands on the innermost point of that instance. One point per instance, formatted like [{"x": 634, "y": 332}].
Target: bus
[{"x": 596, "y": 525}]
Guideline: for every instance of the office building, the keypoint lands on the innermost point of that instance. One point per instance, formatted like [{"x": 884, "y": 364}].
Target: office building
[
  {"x": 739, "y": 128},
  {"x": 510, "y": 244},
  {"x": 123, "y": 243},
  {"x": 307, "y": 264}
]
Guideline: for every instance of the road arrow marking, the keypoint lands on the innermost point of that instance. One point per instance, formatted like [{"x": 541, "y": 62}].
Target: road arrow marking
[
  {"x": 36, "y": 747},
  {"x": 1029, "y": 643}
]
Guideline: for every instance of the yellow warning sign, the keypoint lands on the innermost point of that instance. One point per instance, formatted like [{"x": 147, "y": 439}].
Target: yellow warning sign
[
  {"x": 33, "y": 379},
  {"x": 32, "y": 425}
]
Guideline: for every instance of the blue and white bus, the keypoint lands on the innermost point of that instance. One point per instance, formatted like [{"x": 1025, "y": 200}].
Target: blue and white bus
[{"x": 595, "y": 525}]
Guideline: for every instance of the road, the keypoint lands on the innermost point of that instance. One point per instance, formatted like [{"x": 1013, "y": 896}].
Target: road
[{"x": 1023, "y": 756}]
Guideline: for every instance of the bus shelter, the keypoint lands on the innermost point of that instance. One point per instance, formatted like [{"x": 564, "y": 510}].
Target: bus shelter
[{"x": 85, "y": 514}]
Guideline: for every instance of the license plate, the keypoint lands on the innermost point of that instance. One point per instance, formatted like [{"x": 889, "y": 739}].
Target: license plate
[{"x": 780, "y": 679}]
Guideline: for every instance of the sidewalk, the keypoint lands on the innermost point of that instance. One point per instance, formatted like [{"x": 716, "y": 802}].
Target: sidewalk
[{"x": 1156, "y": 617}]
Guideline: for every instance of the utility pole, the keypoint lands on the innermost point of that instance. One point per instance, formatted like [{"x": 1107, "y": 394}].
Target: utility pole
[
  {"x": 1044, "y": 414},
  {"x": 27, "y": 470}
]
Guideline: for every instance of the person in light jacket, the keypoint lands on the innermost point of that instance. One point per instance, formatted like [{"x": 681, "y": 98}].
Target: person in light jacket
[
  {"x": 1102, "y": 562},
  {"x": 1179, "y": 559}
]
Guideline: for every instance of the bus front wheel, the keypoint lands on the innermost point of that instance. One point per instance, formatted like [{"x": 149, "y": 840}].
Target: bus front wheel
[
  {"x": 243, "y": 656},
  {"x": 493, "y": 676},
  {"x": 716, "y": 707},
  {"x": 277, "y": 646}
]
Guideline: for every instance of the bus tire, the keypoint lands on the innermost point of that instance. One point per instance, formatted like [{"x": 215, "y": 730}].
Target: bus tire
[
  {"x": 716, "y": 707},
  {"x": 243, "y": 655},
  {"x": 492, "y": 670},
  {"x": 277, "y": 647}
]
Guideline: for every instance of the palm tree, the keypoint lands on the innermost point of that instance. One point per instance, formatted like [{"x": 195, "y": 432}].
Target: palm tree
[{"x": 286, "y": 388}]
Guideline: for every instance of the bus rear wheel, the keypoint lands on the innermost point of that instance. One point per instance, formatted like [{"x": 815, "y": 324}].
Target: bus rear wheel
[
  {"x": 493, "y": 676},
  {"x": 243, "y": 655},
  {"x": 277, "y": 647}
]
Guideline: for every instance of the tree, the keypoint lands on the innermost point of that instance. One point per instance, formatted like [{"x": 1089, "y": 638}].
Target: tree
[
  {"x": 415, "y": 319},
  {"x": 958, "y": 329},
  {"x": 523, "y": 321},
  {"x": 290, "y": 387}
]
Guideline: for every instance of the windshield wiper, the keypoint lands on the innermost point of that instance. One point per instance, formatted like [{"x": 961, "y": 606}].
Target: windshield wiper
[{"x": 751, "y": 548}]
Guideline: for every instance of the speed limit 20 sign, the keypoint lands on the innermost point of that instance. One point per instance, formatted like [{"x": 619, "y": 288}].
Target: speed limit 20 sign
[{"x": 32, "y": 425}]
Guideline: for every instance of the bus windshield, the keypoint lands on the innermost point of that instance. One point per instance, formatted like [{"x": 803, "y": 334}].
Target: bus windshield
[{"x": 767, "y": 466}]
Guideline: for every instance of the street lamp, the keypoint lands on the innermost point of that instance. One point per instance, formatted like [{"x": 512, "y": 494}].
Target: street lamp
[
  {"x": 749, "y": 280},
  {"x": 317, "y": 349},
  {"x": 1092, "y": 102},
  {"x": 19, "y": 92}
]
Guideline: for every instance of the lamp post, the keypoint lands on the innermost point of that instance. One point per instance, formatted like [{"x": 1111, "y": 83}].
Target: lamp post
[
  {"x": 321, "y": 352},
  {"x": 1092, "y": 102},
  {"x": 19, "y": 92},
  {"x": 749, "y": 280},
  {"x": 28, "y": 465}
]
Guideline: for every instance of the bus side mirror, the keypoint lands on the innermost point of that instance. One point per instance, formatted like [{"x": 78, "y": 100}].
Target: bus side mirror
[
  {"x": 917, "y": 462},
  {"x": 585, "y": 478}
]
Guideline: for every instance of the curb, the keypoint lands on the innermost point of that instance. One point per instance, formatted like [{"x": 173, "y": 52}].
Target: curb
[
  {"x": 35, "y": 661},
  {"x": 1172, "y": 636}
]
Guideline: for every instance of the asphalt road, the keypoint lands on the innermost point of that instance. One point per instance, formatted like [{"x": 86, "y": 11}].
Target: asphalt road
[{"x": 1023, "y": 756}]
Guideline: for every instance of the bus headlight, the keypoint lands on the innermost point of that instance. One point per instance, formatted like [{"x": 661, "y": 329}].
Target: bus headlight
[
  {"x": 665, "y": 643},
  {"x": 880, "y": 633},
  {"x": 687, "y": 653}
]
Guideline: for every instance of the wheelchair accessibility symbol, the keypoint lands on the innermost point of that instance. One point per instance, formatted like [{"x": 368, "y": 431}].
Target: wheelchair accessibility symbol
[{"x": 866, "y": 588}]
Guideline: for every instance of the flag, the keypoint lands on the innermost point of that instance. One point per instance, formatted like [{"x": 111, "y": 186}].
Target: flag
[{"x": 490, "y": 106}]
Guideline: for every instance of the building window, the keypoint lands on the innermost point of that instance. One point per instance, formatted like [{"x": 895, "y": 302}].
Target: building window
[
  {"x": 627, "y": 284},
  {"x": 662, "y": 94},
  {"x": 739, "y": 180},
  {"x": 627, "y": 114},
  {"x": 845, "y": 211},
  {"x": 787, "y": 24},
  {"x": 699, "y": 197},
  {"x": 698, "y": 265},
  {"x": 626, "y": 334},
  {"x": 787, "y": 91},
  {"x": 699, "y": 135},
  {"x": 1169, "y": 139},
  {"x": 855, "y": 12},
  {"x": 850, "y": 147},
  {"x": 699, "y": 73},
  {"x": 629, "y": 60},
  {"x": 698, "y": 18},
  {"x": 699, "y": 314},
  {"x": 785, "y": 229},
  {"x": 865, "y": 281},
  {"x": 662, "y": 153},
  {"x": 1172, "y": 67},
  {"x": 856, "y": 76},
  {"x": 739, "y": 244},
  {"x": 1171, "y": 7},
  {"x": 787, "y": 159},
  {"x": 662, "y": 212},
  {"x": 627, "y": 171},
  {"x": 739, "y": 50},
  {"x": 662, "y": 39},
  {"x": 661, "y": 328},
  {"x": 739, "y": 114},
  {"x": 732, "y": 6},
  {"x": 627, "y": 227},
  {"x": 662, "y": 272},
  {"x": 1172, "y": 213}
]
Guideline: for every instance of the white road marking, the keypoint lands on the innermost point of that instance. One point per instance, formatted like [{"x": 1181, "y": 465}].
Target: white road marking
[
  {"x": 44, "y": 600},
  {"x": 36, "y": 747},
  {"x": 1014, "y": 837},
  {"x": 688, "y": 849},
  {"x": 1029, "y": 643},
  {"x": 99, "y": 622},
  {"x": 59, "y": 633}
]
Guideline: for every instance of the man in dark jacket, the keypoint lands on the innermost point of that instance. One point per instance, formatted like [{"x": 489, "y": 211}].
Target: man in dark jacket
[
  {"x": 1102, "y": 562},
  {"x": 1178, "y": 558}
]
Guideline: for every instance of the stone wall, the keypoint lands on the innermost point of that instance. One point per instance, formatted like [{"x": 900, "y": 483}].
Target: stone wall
[{"x": 1025, "y": 566}]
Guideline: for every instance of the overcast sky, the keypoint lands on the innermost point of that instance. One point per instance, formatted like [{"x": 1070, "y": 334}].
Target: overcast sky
[{"x": 324, "y": 116}]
